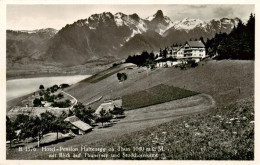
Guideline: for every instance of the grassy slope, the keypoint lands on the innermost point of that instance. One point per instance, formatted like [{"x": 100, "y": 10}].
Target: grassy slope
[
  {"x": 221, "y": 80},
  {"x": 225, "y": 133}
]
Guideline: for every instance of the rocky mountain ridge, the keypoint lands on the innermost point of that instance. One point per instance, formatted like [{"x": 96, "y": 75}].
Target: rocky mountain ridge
[{"x": 108, "y": 37}]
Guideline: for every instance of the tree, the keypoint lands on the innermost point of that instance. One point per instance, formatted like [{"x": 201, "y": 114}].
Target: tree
[
  {"x": 202, "y": 40},
  {"x": 70, "y": 113},
  {"x": 117, "y": 111},
  {"x": 192, "y": 63},
  {"x": 104, "y": 116},
  {"x": 86, "y": 115},
  {"x": 37, "y": 128},
  {"x": 238, "y": 44},
  {"x": 37, "y": 102},
  {"x": 26, "y": 129},
  {"x": 161, "y": 53},
  {"x": 10, "y": 131},
  {"x": 59, "y": 125},
  {"x": 47, "y": 119},
  {"x": 121, "y": 76},
  {"x": 164, "y": 54},
  {"x": 61, "y": 104},
  {"x": 41, "y": 87},
  {"x": 118, "y": 76},
  {"x": 60, "y": 95},
  {"x": 114, "y": 65},
  {"x": 62, "y": 86}
]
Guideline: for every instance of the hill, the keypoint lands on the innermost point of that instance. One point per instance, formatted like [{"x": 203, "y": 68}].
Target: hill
[
  {"x": 226, "y": 81},
  {"x": 225, "y": 133},
  {"x": 222, "y": 84}
]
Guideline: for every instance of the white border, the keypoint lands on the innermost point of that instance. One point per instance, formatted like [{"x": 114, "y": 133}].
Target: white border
[{"x": 3, "y": 4}]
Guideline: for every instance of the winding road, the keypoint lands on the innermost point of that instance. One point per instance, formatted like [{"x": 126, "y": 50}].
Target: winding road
[{"x": 76, "y": 101}]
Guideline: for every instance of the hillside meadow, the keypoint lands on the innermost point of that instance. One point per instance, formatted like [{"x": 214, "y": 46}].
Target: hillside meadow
[
  {"x": 226, "y": 81},
  {"x": 224, "y": 132}
]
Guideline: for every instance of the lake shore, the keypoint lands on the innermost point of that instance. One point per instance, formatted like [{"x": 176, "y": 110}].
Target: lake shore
[
  {"x": 38, "y": 75},
  {"x": 20, "y": 89}
]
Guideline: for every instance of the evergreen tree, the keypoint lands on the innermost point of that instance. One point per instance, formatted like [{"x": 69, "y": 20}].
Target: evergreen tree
[{"x": 239, "y": 44}]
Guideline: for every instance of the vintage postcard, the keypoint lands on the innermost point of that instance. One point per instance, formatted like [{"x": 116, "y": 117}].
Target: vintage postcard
[{"x": 129, "y": 81}]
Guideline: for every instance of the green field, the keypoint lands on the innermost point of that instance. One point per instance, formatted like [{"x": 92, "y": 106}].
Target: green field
[{"x": 158, "y": 94}]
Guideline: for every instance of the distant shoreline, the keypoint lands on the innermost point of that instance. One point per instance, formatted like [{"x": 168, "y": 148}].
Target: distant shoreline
[
  {"x": 23, "y": 76},
  {"x": 14, "y": 101}
]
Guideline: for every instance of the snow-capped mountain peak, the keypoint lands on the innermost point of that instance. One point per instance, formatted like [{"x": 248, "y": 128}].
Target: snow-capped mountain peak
[
  {"x": 47, "y": 30},
  {"x": 158, "y": 14},
  {"x": 188, "y": 24},
  {"x": 158, "y": 22}
]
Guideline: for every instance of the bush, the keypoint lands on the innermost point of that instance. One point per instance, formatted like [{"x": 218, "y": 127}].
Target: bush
[
  {"x": 61, "y": 104},
  {"x": 183, "y": 66},
  {"x": 192, "y": 63},
  {"x": 60, "y": 96},
  {"x": 104, "y": 116},
  {"x": 41, "y": 87},
  {"x": 121, "y": 76},
  {"x": 117, "y": 111},
  {"x": 114, "y": 65},
  {"x": 62, "y": 86},
  {"x": 37, "y": 102}
]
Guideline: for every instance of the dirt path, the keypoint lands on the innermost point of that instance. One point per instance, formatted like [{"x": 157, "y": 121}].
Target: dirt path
[
  {"x": 76, "y": 101},
  {"x": 136, "y": 120}
]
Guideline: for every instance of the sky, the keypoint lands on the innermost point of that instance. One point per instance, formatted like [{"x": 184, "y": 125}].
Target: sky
[{"x": 30, "y": 17}]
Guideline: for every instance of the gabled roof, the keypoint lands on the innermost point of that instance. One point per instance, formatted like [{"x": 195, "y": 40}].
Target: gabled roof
[
  {"x": 196, "y": 44},
  {"x": 75, "y": 121},
  {"x": 81, "y": 125},
  {"x": 72, "y": 118}
]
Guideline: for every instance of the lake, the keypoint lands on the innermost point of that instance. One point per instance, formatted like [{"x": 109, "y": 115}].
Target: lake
[{"x": 20, "y": 87}]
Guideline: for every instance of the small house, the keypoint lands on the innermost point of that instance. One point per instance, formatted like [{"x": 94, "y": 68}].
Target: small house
[
  {"x": 77, "y": 126},
  {"x": 109, "y": 106}
]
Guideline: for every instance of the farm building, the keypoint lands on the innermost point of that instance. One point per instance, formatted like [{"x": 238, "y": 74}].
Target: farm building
[
  {"x": 109, "y": 105},
  {"x": 78, "y": 127}
]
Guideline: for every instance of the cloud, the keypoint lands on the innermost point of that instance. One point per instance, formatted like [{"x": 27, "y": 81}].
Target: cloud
[{"x": 221, "y": 12}]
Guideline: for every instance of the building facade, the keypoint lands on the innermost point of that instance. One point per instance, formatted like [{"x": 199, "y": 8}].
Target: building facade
[{"x": 194, "y": 50}]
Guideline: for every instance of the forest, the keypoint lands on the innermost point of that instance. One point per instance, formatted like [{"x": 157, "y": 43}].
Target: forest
[{"x": 238, "y": 44}]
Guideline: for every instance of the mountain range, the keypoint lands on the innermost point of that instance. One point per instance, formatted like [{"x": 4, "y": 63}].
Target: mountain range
[{"x": 107, "y": 37}]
